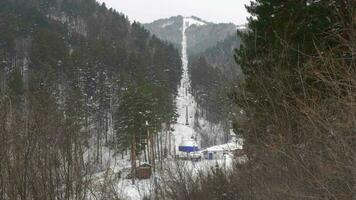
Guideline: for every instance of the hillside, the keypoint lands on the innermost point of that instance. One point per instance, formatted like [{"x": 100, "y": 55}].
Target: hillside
[
  {"x": 78, "y": 84},
  {"x": 200, "y": 36},
  {"x": 168, "y": 30},
  {"x": 214, "y": 73}
]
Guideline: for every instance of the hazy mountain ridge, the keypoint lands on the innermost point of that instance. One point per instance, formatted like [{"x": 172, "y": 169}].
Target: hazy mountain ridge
[
  {"x": 200, "y": 35},
  {"x": 168, "y": 30},
  {"x": 203, "y": 37},
  {"x": 221, "y": 57}
]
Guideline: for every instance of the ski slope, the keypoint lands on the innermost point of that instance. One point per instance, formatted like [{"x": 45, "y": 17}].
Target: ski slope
[{"x": 185, "y": 100}]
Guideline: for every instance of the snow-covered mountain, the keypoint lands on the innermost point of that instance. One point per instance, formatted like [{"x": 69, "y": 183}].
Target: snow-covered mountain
[
  {"x": 201, "y": 34},
  {"x": 194, "y": 36},
  {"x": 201, "y": 93}
]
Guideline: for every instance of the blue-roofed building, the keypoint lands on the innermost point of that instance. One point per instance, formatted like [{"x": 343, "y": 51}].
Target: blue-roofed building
[{"x": 188, "y": 145}]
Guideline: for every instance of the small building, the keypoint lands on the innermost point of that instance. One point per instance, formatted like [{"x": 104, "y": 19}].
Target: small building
[
  {"x": 188, "y": 145},
  {"x": 144, "y": 171},
  {"x": 218, "y": 152},
  {"x": 187, "y": 148}
]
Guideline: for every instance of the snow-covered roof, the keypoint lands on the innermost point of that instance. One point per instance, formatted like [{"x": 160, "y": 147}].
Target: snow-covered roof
[
  {"x": 225, "y": 147},
  {"x": 145, "y": 165},
  {"x": 188, "y": 143}
]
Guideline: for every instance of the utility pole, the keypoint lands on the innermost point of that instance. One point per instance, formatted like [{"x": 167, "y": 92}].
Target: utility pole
[
  {"x": 186, "y": 117},
  {"x": 161, "y": 152},
  {"x": 174, "y": 146}
]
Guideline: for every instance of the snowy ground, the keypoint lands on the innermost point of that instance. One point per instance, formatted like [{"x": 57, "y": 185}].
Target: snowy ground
[{"x": 126, "y": 190}]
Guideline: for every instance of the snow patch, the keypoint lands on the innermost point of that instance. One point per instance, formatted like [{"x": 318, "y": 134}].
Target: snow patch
[
  {"x": 226, "y": 147},
  {"x": 167, "y": 24},
  {"x": 242, "y": 27},
  {"x": 192, "y": 21}
]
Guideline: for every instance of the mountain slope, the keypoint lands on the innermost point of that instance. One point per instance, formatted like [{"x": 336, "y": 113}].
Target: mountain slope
[
  {"x": 212, "y": 71},
  {"x": 213, "y": 74},
  {"x": 168, "y": 30},
  {"x": 200, "y": 35},
  {"x": 73, "y": 75},
  {"x": 221, "y": 57}
]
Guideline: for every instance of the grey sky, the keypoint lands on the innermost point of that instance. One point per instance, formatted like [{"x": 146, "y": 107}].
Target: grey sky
[{"x": 211, "y": 10}]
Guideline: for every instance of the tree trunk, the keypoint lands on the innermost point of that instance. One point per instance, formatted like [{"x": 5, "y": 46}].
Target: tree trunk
[
  {"x": 145, "y": 152},
  {"x": 133, "y": 160},
  {"x": 158, "y": 149},
  {"x": 97, "y": 145},
  {"x": 169, "y": 143},
  {"x": 149, "y": 143},
  {"x": 161, "y": 156},
  {"x": 153, "y": 152},
  {"x": 166, "y": 144}
]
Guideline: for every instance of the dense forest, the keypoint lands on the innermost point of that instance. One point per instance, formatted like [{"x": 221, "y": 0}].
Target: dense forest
[
  {"x": 75, "y": 79},
  {"x": 299, "y": 99},
  {"x": 214, "y": 73},
  {"x": 201, "y": 38}
]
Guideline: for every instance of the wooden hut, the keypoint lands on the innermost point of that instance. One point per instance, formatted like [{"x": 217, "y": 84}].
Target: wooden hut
[{"x": 144, "y": 171}]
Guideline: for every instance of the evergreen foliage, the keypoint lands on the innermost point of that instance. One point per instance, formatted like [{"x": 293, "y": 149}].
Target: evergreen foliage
[
  {"x": 72, "y": 70},
  {"x": 213, "y": 74},
  {"x": 296, "y": 58}
]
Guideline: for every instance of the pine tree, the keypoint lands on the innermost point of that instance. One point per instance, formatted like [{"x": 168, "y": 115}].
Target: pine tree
[
  {"x": 76, "y": 73},
  {"x": 294, "y": 58}
]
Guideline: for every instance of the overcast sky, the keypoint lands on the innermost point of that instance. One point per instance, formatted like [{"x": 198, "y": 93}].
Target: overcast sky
[{"x": 210, "y": 10}]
